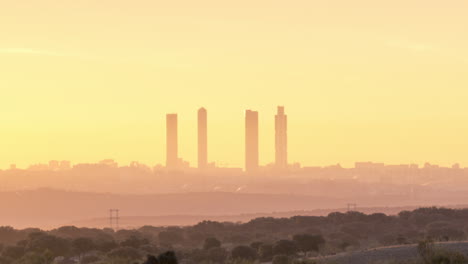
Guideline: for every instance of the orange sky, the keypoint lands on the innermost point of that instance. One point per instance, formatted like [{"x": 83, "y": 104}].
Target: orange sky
[{"x": 361, "y": 80}]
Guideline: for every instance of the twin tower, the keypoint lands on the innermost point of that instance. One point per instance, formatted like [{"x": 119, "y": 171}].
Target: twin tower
[{"x": 251, "y": 141}]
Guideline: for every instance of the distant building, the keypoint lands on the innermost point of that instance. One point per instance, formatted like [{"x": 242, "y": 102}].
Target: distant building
[
  {"x": 251, "y": 141},
  {"x": 368, "y": 165},
  {"x": 39, "y": 167},
  {"x": 65, "y": 165},
  {"x": 202, "y": 139},
  {"x": 172, "y": 159},
  {"x": 109, "y": 163},
  {"x": 54, "y": 165},
  {"x": 281, "y": 139}
]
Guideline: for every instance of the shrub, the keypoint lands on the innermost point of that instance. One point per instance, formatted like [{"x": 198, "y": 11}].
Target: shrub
[
  {"x": 285, "y": 247},
  {"x": 281, "y": 259},
  {"x": 210, "y": 243},
  {"x": 431, "y": 255},
  {"x": 244, "y": 252}
]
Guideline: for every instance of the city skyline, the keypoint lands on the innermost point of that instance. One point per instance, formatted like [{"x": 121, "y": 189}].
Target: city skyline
[
  {"x": 360, "y": 84},
  {"x": 252, "y": 165},
  {"x": 67, "y": 164},
  {"x": 230, "y": 132}
]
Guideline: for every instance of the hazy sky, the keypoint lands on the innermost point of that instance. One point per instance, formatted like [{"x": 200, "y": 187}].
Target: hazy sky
[{"x": 361, "y": 80}]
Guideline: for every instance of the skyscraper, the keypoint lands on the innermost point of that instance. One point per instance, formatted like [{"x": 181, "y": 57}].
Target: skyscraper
[
  {"x": 251, "y": 141},
  {"x": 171, "y": 141},
  {"x": 202, "y": 138},
  {"x": 281, "y": 139}
]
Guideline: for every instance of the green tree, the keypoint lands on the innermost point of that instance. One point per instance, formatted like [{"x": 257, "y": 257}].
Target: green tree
[
  {"x": 210, "y": 243},
  {"x": 126, "y": 253},
  {"x": 217, "y": 255},
  {"x": 41, "y": 241},
  {"x": 170, "y": 237},
  {"x": 244, "y": 252},
  {"x": 82, "y": 245},
  {"x": 285, "y": 247},
  {"x": 280, "y": 259},
  {"x": 307, "y": 243},
  {"x": 265, "y": 252},
  {"x": 13, "y": 252}
]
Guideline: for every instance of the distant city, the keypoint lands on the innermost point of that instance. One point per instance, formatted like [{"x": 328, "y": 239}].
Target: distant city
[
  {"x": 377, "y": 183},
  {"x": 175, "y": 164}
]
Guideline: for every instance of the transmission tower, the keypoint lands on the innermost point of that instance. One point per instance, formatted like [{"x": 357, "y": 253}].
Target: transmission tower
[
  {"x": 114, "y": 219},
  {"x": 351, "y": 207}
]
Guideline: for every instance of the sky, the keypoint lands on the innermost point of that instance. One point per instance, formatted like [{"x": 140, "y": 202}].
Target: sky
[{"x": 360, "y": 80}]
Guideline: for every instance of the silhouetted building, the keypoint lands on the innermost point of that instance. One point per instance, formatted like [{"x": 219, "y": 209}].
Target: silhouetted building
[
  {"x": 54, "y": 165},
  {"x": 172, "y": 159},
  {"x": 65, "y": 165},
  {"x": 251, "y": 141},
  {"x": 109, "y": 163},
  {"x": 202, "y": 139},
  {"x": 281, "y": 138}
]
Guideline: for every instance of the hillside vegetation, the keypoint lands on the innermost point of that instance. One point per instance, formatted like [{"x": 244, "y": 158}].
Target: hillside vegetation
[{"x": 277, "y": 240}]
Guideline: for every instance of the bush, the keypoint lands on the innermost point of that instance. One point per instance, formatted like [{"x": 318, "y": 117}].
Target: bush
[
  {"x": 431, "y": 255},
  {"x": 308, "y": 243},
  {"x": 265, "y": 252},
  {"x": 244, "y": 252},
  {"x": 217, "y": 255},
  {"x": 210, "y": 243},
  {"x": 285, "y": 247},
  {"x": 280, "y": 259},
  {"x": 125, "y": 253},
  {"x": 168, "y": 257},
  {"x": 170, "y": 237},
  {"x": 89, "y": 259}
]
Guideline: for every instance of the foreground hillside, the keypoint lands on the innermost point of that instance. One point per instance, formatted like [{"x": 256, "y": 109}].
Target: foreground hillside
[
  {"x": 390, "y": 254},
  {"x": 343, "y": 237}
]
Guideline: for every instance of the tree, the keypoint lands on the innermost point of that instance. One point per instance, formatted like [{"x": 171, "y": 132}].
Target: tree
[
  {"x": 127, "y": 253},
  {"x": 265, "y": 252},
  {"x": 82, "y": 245},
  {"x": 105, "y": 245},
  {"x": 8, "y": 234},
  {"x": 36, "y": 258},
  {"x": 280, "y": 259},
  {"x": 256, "y": 245},
  {"x": 285, "y": 247},
  {"x": 42, "y": 241},
  {"x": 210, "y": 243},
  {"x": 149, "y": 248},
  {"x": 244, "y": 252},
  {"x": 307, "y": 243},
  {"x": 134, "y": 242},
  {"x": 217, "y": 255},
  {"x": 168, "y": 257},
  {"x": 170, "y": 237},
  {"x": 4, "y": 260},
  {"x": 89, "y": 259},
  {"x": 442, "y": 230},
  {"x": 13, "y": 252}
]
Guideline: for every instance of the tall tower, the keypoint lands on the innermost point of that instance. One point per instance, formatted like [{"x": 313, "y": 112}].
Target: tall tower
[
  {"x": 171, "y": 141},
  {"x": 202, "y": 139},
  {"x": 251, "y": 141},
  {"x": 281, "y": 139}
]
